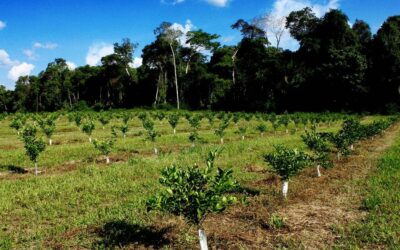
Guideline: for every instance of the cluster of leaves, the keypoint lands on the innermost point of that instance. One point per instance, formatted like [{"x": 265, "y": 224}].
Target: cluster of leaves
[
  {"x": 48, "y": 124},
  {"x": 320, "y": 147},
  {"x": 287, "y": 162},
  {"x": 32, "y": 144},
  {"x": 195, "y": 192},
  {"x": 152, "y": 134},
  {"x": 220, "y": 131}
]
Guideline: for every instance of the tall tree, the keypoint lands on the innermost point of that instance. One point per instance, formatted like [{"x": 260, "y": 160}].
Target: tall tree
[{"x": 167, "y": 32}]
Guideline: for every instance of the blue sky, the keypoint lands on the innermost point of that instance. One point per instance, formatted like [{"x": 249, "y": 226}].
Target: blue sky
[{"x": 33, "y": 33}]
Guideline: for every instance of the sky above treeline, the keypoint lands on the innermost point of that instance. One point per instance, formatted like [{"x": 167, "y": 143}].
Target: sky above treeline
[{"x": 34, "y": 33}]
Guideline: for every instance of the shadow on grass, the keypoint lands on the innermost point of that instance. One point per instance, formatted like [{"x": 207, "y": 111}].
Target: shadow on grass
[
  {"x": 13, "y": 169},
  {"x": 119, "y": 234}
]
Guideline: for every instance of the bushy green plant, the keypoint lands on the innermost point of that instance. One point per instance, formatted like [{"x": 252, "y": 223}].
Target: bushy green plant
[
  {"x": 48, "y": 126},
  {"x": 173, "y": 120},
  {"x": 242, "y": 131},
  {"x": 285, "y": 120},
  {"x": 105, "y": 147},
  {"x": 220, "y": 131},
  {"x": 88, "y": 128},
  {"x": 124, "y": 129},
  {"x": 33, "y": 145},
  {"x": 18, "y": 123},
  {"x": 261, "y": 128},
  {"x": 104, "y": 119},
  {"x": 152, "y": 134},
  {"x": 287, "y": 163},
  {"x": 195, "y": 192},
  {"x": 320, "y": 147}
]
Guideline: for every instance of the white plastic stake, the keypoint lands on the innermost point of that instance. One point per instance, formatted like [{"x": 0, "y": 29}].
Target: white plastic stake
[
  {"x": 90, "y": 139},
  {"x": 50, "y": 142},
  {"x": 222, "y": 140},
  {"x": 285, "y": 188},
  {"x": 203, "y": 240},
  {"x": 174, "y": 131},
  {"x": 107, "y": 160},
  {"x": 155, "y": 151},
  {"x": 319, "y": 171}
]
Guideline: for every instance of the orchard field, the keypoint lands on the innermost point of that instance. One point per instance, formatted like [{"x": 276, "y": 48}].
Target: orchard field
[{"x": 93, "y": 185}]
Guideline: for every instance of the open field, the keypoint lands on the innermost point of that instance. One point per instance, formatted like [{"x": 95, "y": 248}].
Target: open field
[{"x": 79, "y": 201}]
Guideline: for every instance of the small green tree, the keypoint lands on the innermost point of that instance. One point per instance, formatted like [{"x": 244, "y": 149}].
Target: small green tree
[
  {"x": 152, "y": 134},
  {"x": 210, "y": 116},
  {"x": 242, "y": 131},
  {"x": 17, "y": 123},
  {"x": 220, "y": 131},
  {"x": 87, "y": 128},
  {"x": 287, "y": 163},
  {"x": 105, "y": 147},
  {"x": 285, "y": 120},
  {"x": 173, "y": 120},
  {"x": 195, "y": 193},
  {"x": 124, "y": 129},
  {"x": 33, "y": 145},
  {"x": 319, "y": 145},
  {"x": 262, "y": 128},
  {"x": 104, "y": 119},
  {"x": 194, "y": 122},
  {"x": 77, "y": 119},
  {"x": 48, "y": 127}
]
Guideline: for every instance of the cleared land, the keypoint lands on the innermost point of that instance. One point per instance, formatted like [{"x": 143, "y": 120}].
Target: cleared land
[{"x": 80, "y": 202}]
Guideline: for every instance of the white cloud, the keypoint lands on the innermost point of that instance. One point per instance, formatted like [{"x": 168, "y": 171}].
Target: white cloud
[
  {"x": 137, "y": 62},
  {"x": 218, "y": 3},
  {"x": 97, "y": 51},
  {"x": 5, "y": 59},
  {"x": 48, "y": 45},
  {"x": 71, "y": 65},
  {"x": 282, "y": 8},
  {"x": 188, "y": 26},
  {"x": 30, "y": 53},
  {"x": 2, "y": 25},
  {"x": 21, "y": 69}
]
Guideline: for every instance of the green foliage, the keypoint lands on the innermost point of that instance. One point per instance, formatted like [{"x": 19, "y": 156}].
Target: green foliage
[
  {"x": 287, "y": 162},
  {"x": 195, "y": 192},
  {"x": 173, "y": 120},
  {"x": 276, "y": 222},
  {"x": 320, "y": 147},
  {"x": 104, "y": 119},
  {"x": 77, "y": 119},
  {"x": 17, "y": 123},
  {"x": 262, "y": 128},
  {"x": 48, "y": 125},
  {"x": 124, "y": 129},
  {"x": 104, "y": 146},
  {"x": 33, "y": 145},
  {"x": 220, "y": 131},
  {"x": 148, "y": 125},
  {"x": 88, "y": 127}
]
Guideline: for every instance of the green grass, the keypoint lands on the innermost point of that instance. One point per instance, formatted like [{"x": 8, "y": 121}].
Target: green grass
[
  {"x": 380, "y": 229},
  {"x": 62, "y": 206}
]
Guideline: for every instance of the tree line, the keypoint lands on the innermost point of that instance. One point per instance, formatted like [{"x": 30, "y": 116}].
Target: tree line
[{"x": 337, "y": 67}]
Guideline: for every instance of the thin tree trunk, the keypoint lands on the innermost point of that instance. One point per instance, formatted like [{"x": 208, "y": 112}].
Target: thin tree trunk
[
  {"x": 233, "y": 62},
  {"x": 176, "y": 77}
]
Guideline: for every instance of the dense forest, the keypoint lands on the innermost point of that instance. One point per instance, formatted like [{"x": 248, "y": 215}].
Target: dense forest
[{"x": 338, "y": 67}]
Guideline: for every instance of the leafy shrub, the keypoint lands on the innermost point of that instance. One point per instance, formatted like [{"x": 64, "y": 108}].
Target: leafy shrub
[{"x": 287, "y": 163}]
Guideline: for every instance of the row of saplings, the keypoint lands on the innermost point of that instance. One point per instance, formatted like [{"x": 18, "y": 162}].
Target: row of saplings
[
  {"x": 196, "y": 192},
  {"x": 87, "y": 125}
]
